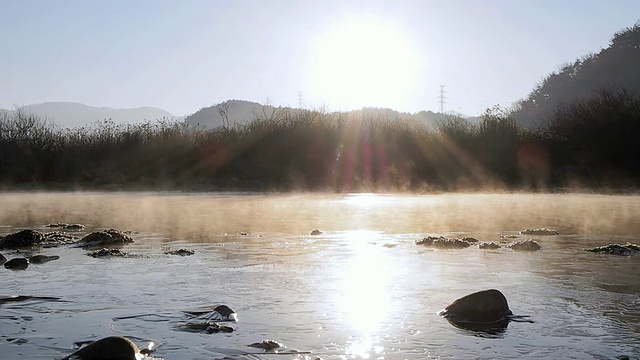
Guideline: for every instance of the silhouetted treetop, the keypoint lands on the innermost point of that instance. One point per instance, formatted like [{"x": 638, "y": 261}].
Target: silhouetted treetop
[{"x": 615, "y": 67}]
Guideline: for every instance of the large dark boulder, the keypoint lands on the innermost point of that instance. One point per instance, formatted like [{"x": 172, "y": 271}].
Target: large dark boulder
[
  {"x": 22, "y": 239},
  {"x": 17, "y": 264},
  {"x": 109, "y": 348},
  {"x": 104, "y": 238},
  {"x": 485, "y": 306},
  {"x": 31, "y": 238}
]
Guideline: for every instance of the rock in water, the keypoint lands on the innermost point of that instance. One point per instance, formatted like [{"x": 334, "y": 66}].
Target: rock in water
[
  {"x": 617, "y": 249},
  {"x": 103, "y": 253},
  {"x": 109, "y": 348},
  {"x": 487, "y": 306},
  {"x": 208, "y": 327},
  {"x": 41, "y": 259},
  {"x": 444, "y": 243},
  {"x": 2, "y": 259},
  {"x": 489, "y": 245},
  {"x": 539, "y": 231},
  {"x": 180, "y": 252},
  {"x": 17, "y": 264},
  {"x": 21, "y": 239},
  {"x": 104, "y": 238},
  {"x": 524, "y": 245},
  {"x": 267, "y": 345}
]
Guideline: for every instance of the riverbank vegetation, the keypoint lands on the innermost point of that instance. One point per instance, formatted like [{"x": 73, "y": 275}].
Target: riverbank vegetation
[{"x": 589, "y": 143}]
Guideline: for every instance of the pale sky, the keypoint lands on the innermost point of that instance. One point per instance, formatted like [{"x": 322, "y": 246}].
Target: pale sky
[{"x": 340, "y": 55}]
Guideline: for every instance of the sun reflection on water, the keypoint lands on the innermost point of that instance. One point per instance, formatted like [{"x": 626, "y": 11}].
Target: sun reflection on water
[{"x": 365, "y": 296}]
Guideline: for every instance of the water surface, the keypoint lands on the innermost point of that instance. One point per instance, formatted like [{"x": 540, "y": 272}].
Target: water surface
[{"x": 360, "y": 290}]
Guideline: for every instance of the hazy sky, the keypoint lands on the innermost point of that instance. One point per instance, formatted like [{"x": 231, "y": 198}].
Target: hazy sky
[{"x": 182, "y": 56}]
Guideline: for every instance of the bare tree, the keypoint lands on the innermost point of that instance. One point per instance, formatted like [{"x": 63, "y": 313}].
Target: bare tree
[{"x": 223, "y": 110}]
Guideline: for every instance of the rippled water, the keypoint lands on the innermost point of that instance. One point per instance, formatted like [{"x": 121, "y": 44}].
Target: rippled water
[{"x": 360, "y": 290}]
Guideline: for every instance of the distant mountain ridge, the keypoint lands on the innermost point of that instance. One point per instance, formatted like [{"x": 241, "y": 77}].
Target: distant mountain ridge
[
  {"x": 240, "y": 112},
  {"x": 70, "y": 114},
  {"x": 232, "y": 111},
  {"x": 228, "y": 113}
]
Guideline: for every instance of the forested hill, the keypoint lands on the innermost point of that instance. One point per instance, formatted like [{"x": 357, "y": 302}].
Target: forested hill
[{"x": 613, "y": 68}]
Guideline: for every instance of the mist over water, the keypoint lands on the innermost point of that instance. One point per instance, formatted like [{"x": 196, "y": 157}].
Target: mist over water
[
  {"x": 203, "y": 216},
  {"x": 362, "y": 289}
]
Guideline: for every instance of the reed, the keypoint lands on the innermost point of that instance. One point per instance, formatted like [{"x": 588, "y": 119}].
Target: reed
[{"x": 591, "y": 141}]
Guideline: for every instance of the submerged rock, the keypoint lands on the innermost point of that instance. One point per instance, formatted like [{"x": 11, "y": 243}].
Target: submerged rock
[
  {"x": 41, "y": 259},
  {"x": 539, "y": 231},
  {"x": 56, "y": 225},
  {"x": 180, "y": 252},
  {"x": 205, "y": 321},
  {"x": 65, "y": 226},
  {"x": 207, "y": 327},
  {"x": 218, "y": 313},
  {"x": 112, "y": 347},
  {"x": 22, "y": 239},
  {"x": 315, "y": 232},
  {"x": 508, "y": 236},
  {"x": 524, "y": 245},
  {"x": 486, "y": 311},
  {"x": 443, "y": 242},
  {"x": 17, "y": 264},
  {"x": 617, "y": 249},
  {"x": 267, "y": 345},
  {"x": 74, "y": 227},
  {"x": 104, "y": 238},
  {"x": 104, "y": 252}
]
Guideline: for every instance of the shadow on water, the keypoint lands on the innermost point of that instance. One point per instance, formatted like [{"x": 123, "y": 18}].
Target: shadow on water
[
  {"x": 484, "y": 330},
  {"x": 27, "y": 300}
]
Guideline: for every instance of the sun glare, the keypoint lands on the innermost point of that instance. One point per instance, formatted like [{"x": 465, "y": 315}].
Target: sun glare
[
  {"x": 365, "y": 199},
  {"x": 365, "y": 294},
  {"x": 365, "y": 62}
]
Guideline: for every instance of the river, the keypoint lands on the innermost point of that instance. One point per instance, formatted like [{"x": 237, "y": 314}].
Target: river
[{"x": 361, "y": 290}]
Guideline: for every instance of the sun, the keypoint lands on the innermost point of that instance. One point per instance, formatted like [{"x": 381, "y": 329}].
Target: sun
[{"x": 363, "y": 62}]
